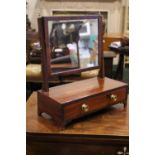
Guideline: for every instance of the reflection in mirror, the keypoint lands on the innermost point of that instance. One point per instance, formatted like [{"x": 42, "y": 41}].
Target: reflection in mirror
[
  {"x": 73, "y": 43},
  {"x": 88, "y": 44}
]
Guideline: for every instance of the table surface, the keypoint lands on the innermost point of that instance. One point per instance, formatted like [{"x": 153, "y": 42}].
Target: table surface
[{"x": 112, "y": 121}]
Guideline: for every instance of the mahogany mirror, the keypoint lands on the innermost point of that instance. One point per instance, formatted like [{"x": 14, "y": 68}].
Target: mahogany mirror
[{"x": 70, "y": 44}]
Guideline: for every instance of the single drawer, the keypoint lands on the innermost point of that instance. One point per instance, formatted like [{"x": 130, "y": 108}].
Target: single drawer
[
  {"x": 47, "y": 148},
  {"x": 88, "y": 105},
  {"x": 117, "y": 96}
]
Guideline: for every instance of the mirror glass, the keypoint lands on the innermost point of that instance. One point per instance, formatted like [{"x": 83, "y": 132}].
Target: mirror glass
[{"x": 73, "y": 44}]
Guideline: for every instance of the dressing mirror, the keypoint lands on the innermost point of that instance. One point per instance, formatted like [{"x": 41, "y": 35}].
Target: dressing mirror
[{"x": 70, "y": 44}]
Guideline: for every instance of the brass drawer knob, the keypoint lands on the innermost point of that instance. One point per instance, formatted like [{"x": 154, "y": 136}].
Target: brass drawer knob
[
  {"x": 85, "y": 107},
  {"x": 124, "y": 151},
  {"x": 113, "y": 97}
]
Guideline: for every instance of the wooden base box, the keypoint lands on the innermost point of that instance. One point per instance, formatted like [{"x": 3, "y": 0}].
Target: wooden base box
[{"x": 71, "y": 101}]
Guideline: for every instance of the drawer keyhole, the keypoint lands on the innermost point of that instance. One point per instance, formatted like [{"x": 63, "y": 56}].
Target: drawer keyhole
[{"x": 85, "y": 107}]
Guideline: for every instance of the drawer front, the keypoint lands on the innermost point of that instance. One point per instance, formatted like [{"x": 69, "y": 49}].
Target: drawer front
[
  {"x": 117, "y": 96},
  {"x": 91, "y": 104},
  {"x": 40, "y": 148}
]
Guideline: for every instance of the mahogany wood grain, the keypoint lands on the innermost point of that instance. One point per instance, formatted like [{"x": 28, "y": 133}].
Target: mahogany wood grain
[
  {"x": 53, "y": 101},
  {"x": 65, "y": 103},
  {"x": 112, "y": 121},
  {"x": 101, "y": 27},
  {"x": 42, "y": 148},
  {"x": 94, "y": 103},
  {"x": 81, "y": 89},
  {"x": 103, "y": 133},
  {"x": 45, "y": 57}
]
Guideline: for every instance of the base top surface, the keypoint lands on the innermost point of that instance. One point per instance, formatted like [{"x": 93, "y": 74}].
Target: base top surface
[{"x": 81, "y": 89}]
